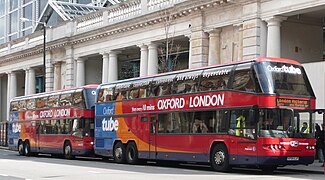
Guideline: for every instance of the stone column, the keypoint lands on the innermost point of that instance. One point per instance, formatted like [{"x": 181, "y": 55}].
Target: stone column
[
  {"x": 57, "y": 76},
  {"x": 80, "y": 77},
  {"x": 199, "y": 41},
  {"x": 26, "y": 81},
  {"x": 105, "y": 67},
  {"x": 240, "y": 43},
  {"x": 112, "y": 67},
  {"x": 143, "y": 60},
  {"x": 214, "y": 47},
  {"x": 152, "y": 59},
  {"x": 69, "y": 72},
  {"x": 11, "y": 89},
  {"x": 31, "y": 81},
  {"x": 49, "y": 73},
  {"x": 274, "y": 36},
  {"x": 263, "y": 38},
  {"x": 189, "y": 51}
]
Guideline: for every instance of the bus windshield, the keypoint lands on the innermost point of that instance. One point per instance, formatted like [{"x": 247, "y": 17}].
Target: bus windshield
[
  {"x": 279, "y": 123},
  {"x": 283, "y": 78}
]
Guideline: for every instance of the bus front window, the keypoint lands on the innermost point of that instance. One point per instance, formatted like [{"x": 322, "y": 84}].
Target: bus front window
[{"x": 276, "y": 123}]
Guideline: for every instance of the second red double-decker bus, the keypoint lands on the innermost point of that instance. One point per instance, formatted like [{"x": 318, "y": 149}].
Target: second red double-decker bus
[
  {"x": 59, "y": 122},
  {"x": 257, "y": 112}
]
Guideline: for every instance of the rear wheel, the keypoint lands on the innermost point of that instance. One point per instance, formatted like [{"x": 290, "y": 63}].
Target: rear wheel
[
  {"x": 119, "y": 153},
  {"x": 220, "y": 158},
  {"x": 67, "y": 151},
  {"x": 27, "y": 148},
  {"x": 132, "y": 153},
  {"x": 21, "y": 148}
]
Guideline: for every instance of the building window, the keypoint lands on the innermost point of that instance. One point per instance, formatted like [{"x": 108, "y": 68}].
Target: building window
[
  {"x": 27, "y": 11},
  {"x": 13, "y": 4},
  {"x": 2, "y": 27},
  {"x": 2, "y": 7},
  {"x": 13, "y": 22},
  {"x": 27, "y": 1}
]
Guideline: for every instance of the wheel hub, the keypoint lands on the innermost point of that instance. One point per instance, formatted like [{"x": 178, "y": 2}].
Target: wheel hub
[
  {"x": 219, "y": 157},
  {"x": 118, "y": 152}
]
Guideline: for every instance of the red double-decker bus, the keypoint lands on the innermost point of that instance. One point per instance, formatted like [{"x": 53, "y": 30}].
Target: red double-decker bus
[
  {"x": 59, "y": 122},
  {"x": 256, "y": 113}
]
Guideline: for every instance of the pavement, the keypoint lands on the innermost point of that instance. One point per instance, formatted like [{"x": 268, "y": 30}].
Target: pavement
[{"x": 315, "y": 167}]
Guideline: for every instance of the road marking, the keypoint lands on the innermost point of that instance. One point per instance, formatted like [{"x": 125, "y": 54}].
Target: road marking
[
  {"x": 95, "y": 172},
  {"x": 4, "y": 175}
]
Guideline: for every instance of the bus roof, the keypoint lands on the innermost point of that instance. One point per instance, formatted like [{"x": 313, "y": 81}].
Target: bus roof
[
  {"x": 57, "y": 91},
  {"x": 259, "y": 59}
]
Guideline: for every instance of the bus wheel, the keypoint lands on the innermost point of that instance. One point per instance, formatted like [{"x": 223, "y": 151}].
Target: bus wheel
[
  {"x": 119, "y": 153},
  {"x": 131, "y": 153},
  {"x": 67, "y": 151},
  {"x": 219, "y": 158},
  {"x": 27, "y": 148},
  {"x": 21, "y": 148}
]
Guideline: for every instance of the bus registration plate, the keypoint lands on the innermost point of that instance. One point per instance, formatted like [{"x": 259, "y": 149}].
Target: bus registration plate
[{"x": 292, "y": 158}]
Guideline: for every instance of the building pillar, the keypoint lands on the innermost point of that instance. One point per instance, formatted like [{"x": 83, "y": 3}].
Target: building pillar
[
  {"x": 240, "y": 43},
  {"x": 274, "y": 36},
  {"x": 143, "y": 60},
  {"x": 57, "y": 76},
  {"x": 152, "y": 59},
  {"x": 199, "y": 41},
  {"x": 11, "y": 89},
  {"x": 214, "y": 47},
  {"x": 31, "y": 81},
  {"x": 189, "y": 51},
  {"x": 49, "y": 77},
  {"x": 263, "y": 38},
  {"x": 105, "y": 67},
  {"x": 26, "y": 81},
  {"x": 112, "y": 67},
  {"x": 70, "y": 70},
  {"x": 80, "y": 76}
]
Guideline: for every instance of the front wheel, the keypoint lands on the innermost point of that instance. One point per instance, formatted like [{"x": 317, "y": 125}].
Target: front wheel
[
  {"x": 119, "y": 153},
  {"x": 132, "y": 153},
  {"x": 21, "y": 148},
  {"x": 67, "y": 151},
  {"x": 27, "y": 148},
  {"x": 220, "y": 158}
]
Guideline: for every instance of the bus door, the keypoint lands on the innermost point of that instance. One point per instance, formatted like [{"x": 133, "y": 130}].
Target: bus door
[
  {"x": 246, "y": 141},
  {"x": 153, "y": 136}
]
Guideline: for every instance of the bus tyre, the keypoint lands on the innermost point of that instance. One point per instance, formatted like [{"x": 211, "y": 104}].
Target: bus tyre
[
  {"x": 219, "y": 158},
  {"x": 119, "y": 153},
  {"x": 67, "y": 151},
  {"x": 21, "y": 148},
  {"x": 27, "y": 148},
  {"x": 131, "y": 153}
]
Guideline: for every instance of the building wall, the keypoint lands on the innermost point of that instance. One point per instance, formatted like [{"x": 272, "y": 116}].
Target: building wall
[
  {"x": 302, "y": 41},
  {"x": 93, "y": 70},
  {"x": 316, "y": 74}
]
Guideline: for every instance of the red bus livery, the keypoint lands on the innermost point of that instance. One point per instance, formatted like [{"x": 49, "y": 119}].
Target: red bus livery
[
  {"x": 243, "y": 113},
  {"x": 60, "y": 122}
]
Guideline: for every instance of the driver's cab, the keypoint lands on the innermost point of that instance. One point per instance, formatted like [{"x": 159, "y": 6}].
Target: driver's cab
[{"x": 285, "y": 123}]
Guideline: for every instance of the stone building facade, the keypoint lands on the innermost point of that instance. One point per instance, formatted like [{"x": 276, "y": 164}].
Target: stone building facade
[{"x": 108, "y": 44}]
